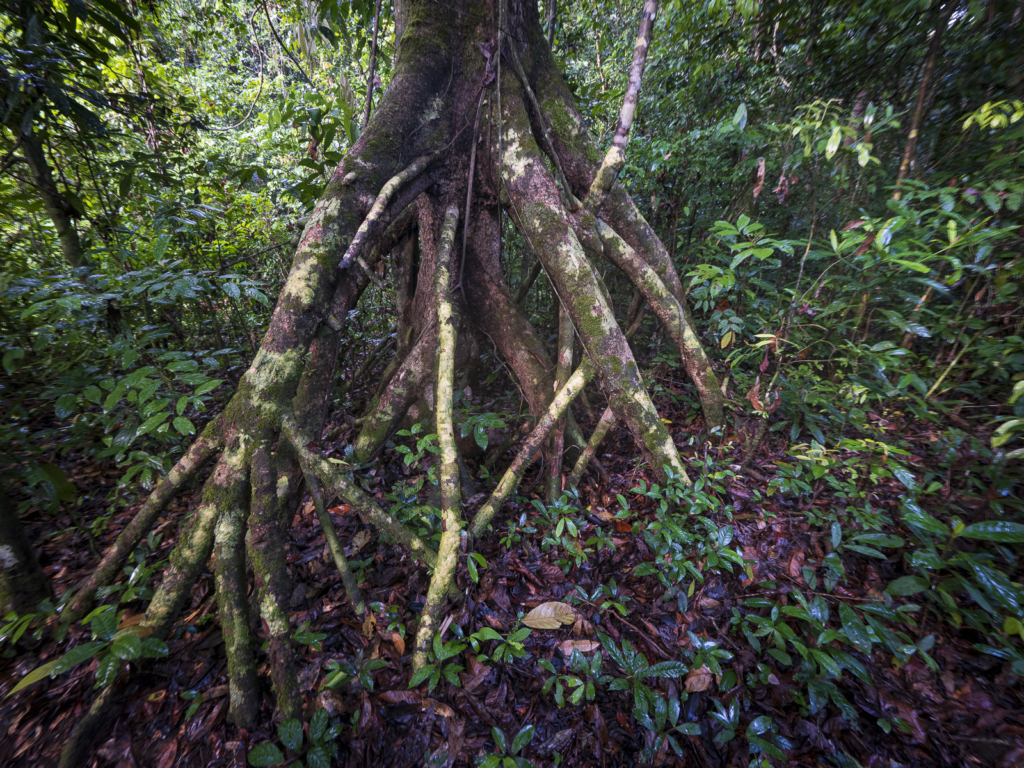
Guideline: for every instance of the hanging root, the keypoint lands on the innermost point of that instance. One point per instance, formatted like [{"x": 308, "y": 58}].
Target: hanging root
[
  {"x": 451, "y": 532},
  {"x": 334, "y": 544},
  {"x": 566, "y": 336},
  {"x": 669, "y": 311},
  {"x": 615, "y": 158},
  {"x": 372, "y": 223},
  {"x": 531, "y": 447},
  {"x": 267, "y": 555},
  {"x": 606, "y": 422},
  {"x": 188, "y": 466}
]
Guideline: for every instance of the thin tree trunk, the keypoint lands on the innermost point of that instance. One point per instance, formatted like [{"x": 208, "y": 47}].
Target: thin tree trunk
[
  {"x": 373, "y": 67},
  {"x": 56, "y": 204},
  {"x": 934, "y": 49}
]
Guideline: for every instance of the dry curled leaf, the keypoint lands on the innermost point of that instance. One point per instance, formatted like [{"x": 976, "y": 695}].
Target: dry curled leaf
[
  {"x": 440, "y": 707},
  {"x": 399, "y": 642},
  {"x": 550, "y": 616},
  {"x": 583, "y": 646},
  {"x": 583, "y": 627},
  {"x": 400, "y": 697},
  {"x": 698, "y": 680},
  {"x": 369, "y": 625},
  {"x": 360, "y": 540}
]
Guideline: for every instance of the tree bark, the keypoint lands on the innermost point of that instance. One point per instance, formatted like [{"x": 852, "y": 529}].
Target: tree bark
[
  {"x": 57, "y": 206},
  {"x": 927, "y": 75}
]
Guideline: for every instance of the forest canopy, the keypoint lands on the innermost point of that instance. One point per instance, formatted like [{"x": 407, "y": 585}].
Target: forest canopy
[{"x": 511, "y": 382}]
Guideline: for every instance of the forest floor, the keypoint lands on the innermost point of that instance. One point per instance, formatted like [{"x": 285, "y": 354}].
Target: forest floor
[{"x": 970, "y": 713}]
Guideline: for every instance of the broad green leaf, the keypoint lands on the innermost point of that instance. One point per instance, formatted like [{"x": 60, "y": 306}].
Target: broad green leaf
[
  {"x": 995, "y": 530},
  {"x": 127, "y": 647},
  {"x": 833, "y": 142},
  {"x": 34, "y": 676},
  {"x": 290, "y": 733},
  {"x": 907, "y": 585},
  {"x": 670, "y": 669},
  {"x": 76, "y": 656},
  {"x": 265, "y": 754},
  {"x": 524, "y": 737},
  {"x": 499, "y": 740},
  {"x": 740, "y": 118},
  {"x": 184, "y": 426},
  {"x": 856, "y": 631}
]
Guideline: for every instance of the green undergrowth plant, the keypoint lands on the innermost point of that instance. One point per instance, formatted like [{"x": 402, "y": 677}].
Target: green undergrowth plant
[
  {"x": 579, "y": 679},
  {"x": 509, "y": 754},
  {"x": 113, "y": 647},
  {"x": 316, "y": 751},
  {"x": 507, "y": 649},
  {"x": 438, "y": 664},
  {"x": 684, "y": 533},
  {"x": 360, "y": 671},
  {"x": 563, "y": 525}
]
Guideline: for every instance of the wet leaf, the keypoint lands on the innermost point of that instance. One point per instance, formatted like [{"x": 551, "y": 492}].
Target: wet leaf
[
  {"x": 995, "y": 530},
  {"x": 699, "y": 680},
  {"x": 550, "y": 615},
  {"x": 265, "y": 754}
]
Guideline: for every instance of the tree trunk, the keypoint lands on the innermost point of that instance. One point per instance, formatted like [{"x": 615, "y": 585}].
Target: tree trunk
[
  {"x": 56, "y": 204},
  {"x": 437, "y": 139},
  {"x": 927, "y": 75}
]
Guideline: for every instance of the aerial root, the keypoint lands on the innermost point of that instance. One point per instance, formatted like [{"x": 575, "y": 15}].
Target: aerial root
[
  {"x": 372, "y": 221},
  {"x": 531, "y": 447},
  {"x": 334, "y": 545},
  {"x": 670, "y": 312},
  {"x": 451, "y": 531},
  {"x": 232, "y": 608},
  {"x": 267, "y": 554},
  {"x": 184, "y": 471},
  {"x": 333, "y": 477},
  {"x": 606, "y": 422},
  {"x": 566, "y": 337}
]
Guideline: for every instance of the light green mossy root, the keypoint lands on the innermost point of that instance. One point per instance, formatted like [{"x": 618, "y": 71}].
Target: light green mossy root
[
  {"x": 451, "y": 535},
  {"x": 566, "y": 337},
  {"x": 670, "y": 312},
  {"x": 606, "y": 422},
  {"x": 334, "y": 544},
  {"x": 223, "y": 491},
  {"x": 232, "y": 588},
  {"x": 531, "y": 447},
  {"x": 201, "y": 451},
  {"x": 535, "y": 204},
  {"x": 266, "y": 551},
  {"x": 333, "y": 477}
]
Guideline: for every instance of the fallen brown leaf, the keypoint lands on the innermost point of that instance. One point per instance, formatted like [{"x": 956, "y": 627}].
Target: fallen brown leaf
[
  {"x": 698, "y": 680},
  {"x": 583, "y": 646}
]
